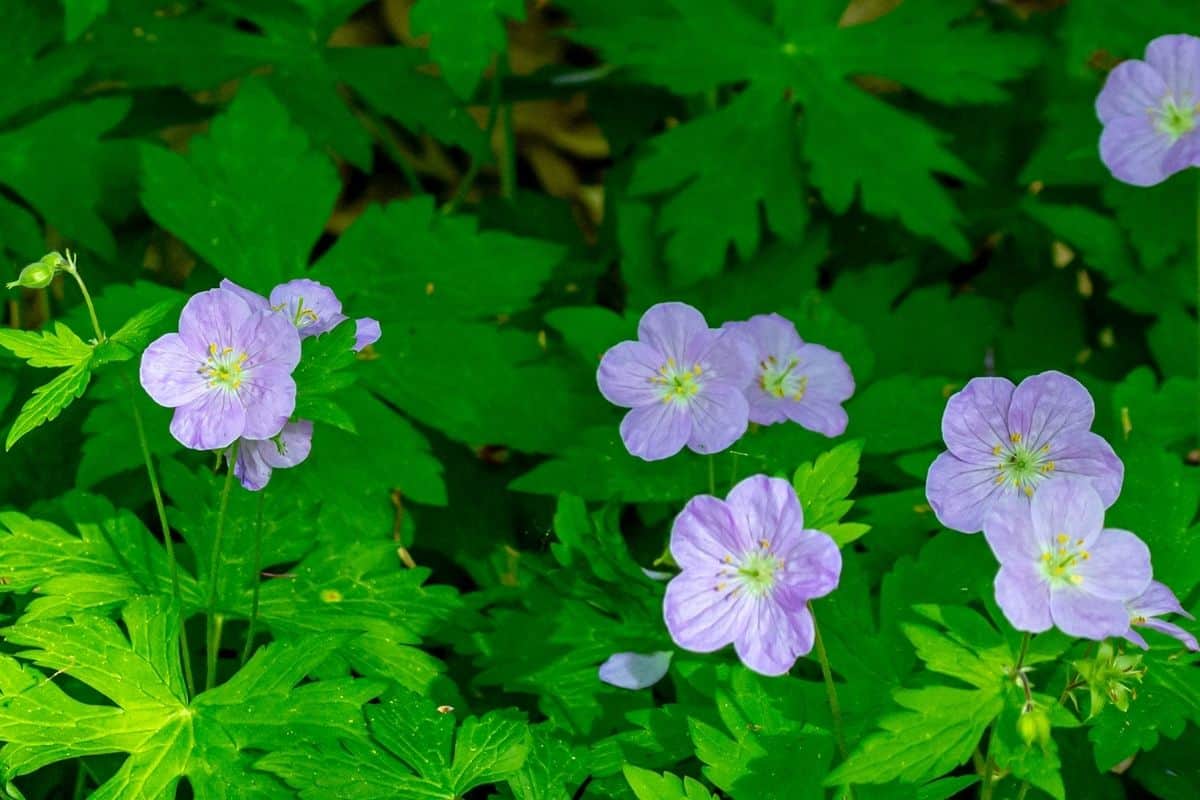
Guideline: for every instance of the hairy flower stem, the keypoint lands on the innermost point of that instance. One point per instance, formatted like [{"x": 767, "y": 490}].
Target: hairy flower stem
[
  {"x": 250, "y": 632},
  {"x": 835, "y": 707},
  {"x": 214, "y": 566}
]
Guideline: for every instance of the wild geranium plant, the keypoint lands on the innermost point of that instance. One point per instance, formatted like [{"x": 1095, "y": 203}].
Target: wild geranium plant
[{"x": 449, "y": 400}]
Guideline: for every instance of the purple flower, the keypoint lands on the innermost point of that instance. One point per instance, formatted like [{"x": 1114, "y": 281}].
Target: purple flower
[
  {"x": 1154, "y": 602},
  {"x": 635, "y": 670},
  {"x": 1059, "y": 565},
  {"x": 683, "y": 382},
  {"x": 1003, "y": 442},
  {"x": 258, "y": 457},
  {"x": 1149, "y": 111},
  {"x": 227, "y": 373},
  {"x": 797, "y": 381},
  {"x": 311, "y": 306},
  {"x": 749, "y": 569}
]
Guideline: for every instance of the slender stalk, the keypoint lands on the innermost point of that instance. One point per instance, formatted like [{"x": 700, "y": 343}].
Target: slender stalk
[
  {"x": 383, "y": 134},
  {"x": 1016, "y": 671},
  {"x": 835, "y": 707},
  {"x": 250, "y": 632},
  {"x": 215, "y": 622},
  {"x": 986, "y": 786},
  {"x": 464, "y": 185},
  {"x": 1198, "y": 289},
  {"x": 87, "y": 297}
]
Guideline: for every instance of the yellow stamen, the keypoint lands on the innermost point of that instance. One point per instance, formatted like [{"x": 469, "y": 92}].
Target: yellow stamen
[
  {"x": 1014, "y": 437},
  {"x": 1076, "y": 579},
  {"x": 1063, "y": 538}
]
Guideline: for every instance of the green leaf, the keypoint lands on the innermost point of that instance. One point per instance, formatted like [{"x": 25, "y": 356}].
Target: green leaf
[
  {"x": 1168, "y": 698},
  {"x": 322, "y": 372},
  {"x": 937, "y": 731},
  {"x": 137, "y": 331},
  {"x": 49, "y": 400},
  {"x": 649, "y": 785},
  {"x": 81, "y": 14},
  {"x": 62, "y": 348},
  {"x": 251, "y": 197},
  {"x": 464, "y": 35},
  {"x": 824, "y": 487}
]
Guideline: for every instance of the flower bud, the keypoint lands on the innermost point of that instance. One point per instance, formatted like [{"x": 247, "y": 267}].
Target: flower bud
[
  {"x": 40, "y": 273},
  {"x": 1034, "y": 727},
  {"x": 1112, "y": 677}
]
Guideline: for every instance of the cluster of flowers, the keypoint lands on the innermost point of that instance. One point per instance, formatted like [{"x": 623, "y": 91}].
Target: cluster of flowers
[
  {"x": 748, "y": 565},
  {"x": 228, "y": 372},
  {"x": 689, "y": 384},
  {"x": 1023, "y": 466}
]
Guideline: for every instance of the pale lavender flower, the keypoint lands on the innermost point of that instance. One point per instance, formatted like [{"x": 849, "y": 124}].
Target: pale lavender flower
[
  {"x": 795, "y": 380},
  {"x": 1004, "y": 441},
  {"x": 1059, "y": 565},
  {"x": 1145, "y": 609},
  {"x": 635, "y": 670},
  {"x": 1149, "y": 111},
  {"x": 311, "y": 306},
  {"x": 749, "y": 569},
  {"x": 257, "y": 458},
  {"x": 683, "y": 382},
  {"x": 227, "y": 372}
]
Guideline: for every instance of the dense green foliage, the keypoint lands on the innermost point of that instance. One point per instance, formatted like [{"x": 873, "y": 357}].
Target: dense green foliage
[{"x": 419, "y": 610}]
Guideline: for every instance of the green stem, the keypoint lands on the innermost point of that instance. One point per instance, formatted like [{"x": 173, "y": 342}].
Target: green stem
[
  {"x": 383, "y": 134},
  {"x": 169, "y": 543},
  {"x": 87, "y": 297},
  {"x": 986, "y": 786},
  {"x": 464, "y": 185},
  {"x": 1198, "y": 290},
  {"x": 214, "y": 566},
  {"x": 1021, "y": 655},
  {"x": 258, "y": 522},
  {"x": 712, "y": 475},
  {"x": 835, "y": 707}
]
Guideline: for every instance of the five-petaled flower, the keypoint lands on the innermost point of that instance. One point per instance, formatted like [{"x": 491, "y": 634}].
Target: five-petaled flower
[
  {"x": 1145, "y": 609},
  {"x": 1059, "y": 565},
  {"x": 311, "y": 306},
  {"x": 749, "y": 569},
  {"x": 1004, "y": 441},
  {"x": 683, "y": 382},
  {"x": 794, "y": 380},
  {"x": 257, "y": 458},
  {"x": 227, "y": 372},
  {"x": 1149, "y": 110}
]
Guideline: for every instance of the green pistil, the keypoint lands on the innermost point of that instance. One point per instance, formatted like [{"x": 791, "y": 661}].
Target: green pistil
[
  {"x": 1059, "y": 564},
  {"x": 757, "y": 571},
  {"x": 1021, "y": 466},
  {"x": 1175, "y": 120},
  {"x": 780, "y": 381},
  {"x": 678, "y": 384}
]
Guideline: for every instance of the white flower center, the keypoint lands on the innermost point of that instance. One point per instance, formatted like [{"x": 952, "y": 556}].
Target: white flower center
[
  {"x": 1060, "y": 563},
  {"x": 1021, "y": 466},
  {"x": 1175, "y": 119},
  {"x": 676, "y": 384},
  {"x": 224, "y": 368},
  {"x": 754, "y": 571},
  {"x": 779, "y": 378}
]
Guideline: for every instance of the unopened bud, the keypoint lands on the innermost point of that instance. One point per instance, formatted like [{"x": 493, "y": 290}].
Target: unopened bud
[
  {"x": 1034, "y": 727},
  {"x": 40, "y": 273}
]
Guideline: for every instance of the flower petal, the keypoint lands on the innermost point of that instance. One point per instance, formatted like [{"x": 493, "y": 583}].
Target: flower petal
[
  {"x": 1067, "y": 506},
  {"x": 310, "y": 306},
  {"x": 724, "y": 355},
  {"x": 1024, "y": 598},
  {"x": 1118, "y": 566},
  {"x": 1078, "y": 613},
  {"x": 1048, "y": 405},
  {"x": 212, "y": 317},
  {"x": 1134, "y": 150},
  {"x": 366, "y": 332},
  {"x": 824, "y": 417},
  {"x": 1157, "y": 599},
  {"x": 770, "y": 335},
  {"x": 253, "y": 299},
  {"x": 210, "y": 422},
  {"x": 772, "y": 639},
  {"x": 627, "y": 375},
  {"x": 975, "y": 421},
  {"x": 269, "y": 398},
  {"x": 1172, "y": 630},
  {"x": 812, "y": 566},
  {"x": 767, "y": 509},
  {"x": 1008, "y": 528},
  {"x": 635, "y": 670},
  {"x": 1184, "y": 153},
  {"x": 1084, "y": 454},
  {"x": 1132, "y": 87},
  {"x": 699, "y": 616},
  {"x": 720, "y": 415},
  {"x": 829, "y": 376},
  {"x": 251, "y": 469},
  {"x": 269, "y": 341},
  {"x": 1175, "y": 59},
  {"x": 669, "y": 328},
  {"x": 292, "y": 445},
  {"x": 704, "y": 533},
  {"x": 960, "y": 494},
  {"x": 656, "y": 431},
  {"x": 169, "y": 372}
]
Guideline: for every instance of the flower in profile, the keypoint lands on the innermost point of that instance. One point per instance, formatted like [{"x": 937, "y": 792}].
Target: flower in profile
[
  {"x": 1004, "y": 441},
  {"x": 227, "y": 372},
  {"x": 1145, "y": 609},
  {"x": 683, "y": 382},
  {"x": 795, "y": 380},
  {"x": 749, "y": 569},
  {"x": 635, "y": 670},
  {"x": 257, "y": 458},
  {"x": 1149, "y": 110},
  {"x": 311, "y": 306},
  {"x": 1060, "y": 567}
]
